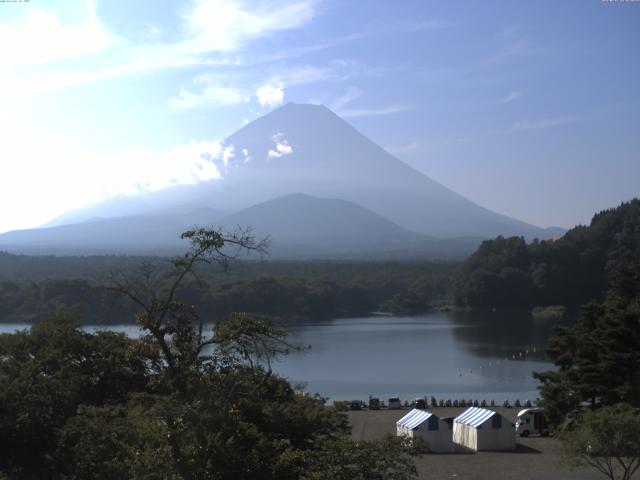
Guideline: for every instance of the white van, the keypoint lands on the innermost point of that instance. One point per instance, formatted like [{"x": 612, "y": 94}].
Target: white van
[{"x": 531, "y": 421}]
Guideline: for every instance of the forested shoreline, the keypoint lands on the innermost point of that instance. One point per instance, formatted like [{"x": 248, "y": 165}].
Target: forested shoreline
[
  {"x": 502, "y": 273},
  {"x": 77, "y": 404},
  {"x": 183, "y": 401},
  {"x": 572, "y": 270},
  {"x": 283, "y": 290}
]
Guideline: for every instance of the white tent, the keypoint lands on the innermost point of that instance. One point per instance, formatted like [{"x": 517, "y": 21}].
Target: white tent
[
  {"x": 419, "y": 423},
  {"x": 481, "y": 429}
]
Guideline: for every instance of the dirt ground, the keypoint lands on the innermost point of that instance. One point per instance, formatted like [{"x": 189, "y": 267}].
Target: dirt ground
[{"x": 535, "y": 457}]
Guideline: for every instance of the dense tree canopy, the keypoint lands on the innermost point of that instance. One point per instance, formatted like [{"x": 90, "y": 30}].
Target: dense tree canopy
[
  {"x": 178, "y": 403},
  {"x": 593, "y": 395},
  {"x": 598, "y": 358},
  {"x": 79, "y": 405},
  {"x": 46, "y": 374},
  {"x": 572, "y": 270},
  {"x": 286, "y": 291}
]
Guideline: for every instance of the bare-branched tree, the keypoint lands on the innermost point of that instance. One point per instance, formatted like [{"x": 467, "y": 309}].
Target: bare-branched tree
[{"x": 174, "y": 326}]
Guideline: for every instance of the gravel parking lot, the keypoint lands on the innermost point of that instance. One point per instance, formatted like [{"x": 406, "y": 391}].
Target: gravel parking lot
[{"x": 535, "y": 457}]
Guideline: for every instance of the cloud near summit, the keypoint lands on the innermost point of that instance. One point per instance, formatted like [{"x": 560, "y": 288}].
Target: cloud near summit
[
  {"x": 281, "y": 147},
  {"x": 270, "y": 95}
]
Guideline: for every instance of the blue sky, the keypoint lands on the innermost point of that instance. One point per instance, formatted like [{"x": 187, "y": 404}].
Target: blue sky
[{"x": 531, "y": 109}]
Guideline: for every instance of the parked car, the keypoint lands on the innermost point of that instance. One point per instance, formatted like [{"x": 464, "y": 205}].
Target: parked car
[
  {"x": 356, "y": 405},
  {"x": 374, "y": 404},
  {"x": 531, "y": 421},
  {"x": 394, "y": 403},
  {"x": 420, "y": 403}
]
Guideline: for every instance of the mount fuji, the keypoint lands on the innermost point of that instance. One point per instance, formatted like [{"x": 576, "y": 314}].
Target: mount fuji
[{"x": 350, "y": 196}]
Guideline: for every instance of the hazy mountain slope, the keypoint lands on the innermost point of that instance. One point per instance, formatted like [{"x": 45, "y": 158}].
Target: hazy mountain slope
[
  {"x": 300, "y": 225},
  {"x": 135, "y": 234},
  {"x": 173, "y": 202},
  {"x": 329, "y": 158},
  {"x": 309, "y": 149},
  {"x": 302, "y": 218}
]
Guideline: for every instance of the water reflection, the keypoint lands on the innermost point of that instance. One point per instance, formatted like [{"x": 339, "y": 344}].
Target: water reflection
[
  {"x": 505, "y": 333},
  {"x": 441, "y": 354},
  {"x": 453, "y": 355}
]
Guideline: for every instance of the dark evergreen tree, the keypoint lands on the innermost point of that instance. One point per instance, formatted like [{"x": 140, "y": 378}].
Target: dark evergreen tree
[
  {"x": 572, "y": 270},
  {"x": 598, "y": 358}
]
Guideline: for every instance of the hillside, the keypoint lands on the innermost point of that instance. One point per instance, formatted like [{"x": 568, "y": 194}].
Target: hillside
[
  {"x": 141, "y": 235},
  {"x": 573, "y": 270},
  {"x": 302, "y": 226},
  {"x": 298, "y": 226}
]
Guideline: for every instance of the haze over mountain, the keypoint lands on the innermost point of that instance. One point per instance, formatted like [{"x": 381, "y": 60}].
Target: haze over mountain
[
  {"x": 329, "y": 158},
  {"x": 145, "y": 91},
  {"x": 378, "y": 202},
  {"x": 298, "y": 226},
  {"x": 137, "y": 234}
]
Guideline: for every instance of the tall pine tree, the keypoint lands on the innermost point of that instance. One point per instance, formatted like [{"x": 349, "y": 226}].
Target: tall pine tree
[{"x": 598, "y": 358}]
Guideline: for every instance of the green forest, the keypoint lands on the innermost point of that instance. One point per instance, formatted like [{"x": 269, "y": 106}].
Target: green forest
[
  {"x": 30, "y": 290},
  {"x": 592, "y": 396},
  {"x": 598, "y": 358},
  {"x": 502, "y": 273},
  {"x": 181, "y": 402},
  {"x": 572, "y": 270},
  {"x": 191, "y": 400}
]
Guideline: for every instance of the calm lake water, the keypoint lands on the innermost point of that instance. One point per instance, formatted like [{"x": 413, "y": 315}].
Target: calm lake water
[{"x": 448, "y": 355}]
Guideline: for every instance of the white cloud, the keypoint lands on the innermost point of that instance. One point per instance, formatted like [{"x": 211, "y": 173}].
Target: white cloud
[
  {"x": 272, "y": 91},
  {"x": 305, "y": 74},
  {"x": 281, "y": 150},
  {"x": 36, "y": 82},
  {"x": 41, "y": 40},
  {"x": 227, "y": 155},
  {"x": 282, "y": 147},
  {"x": 542, "y": 124},
  {"x": 370, "y": 112},
  {"x": 515, "y": 45},
  {"x": 352, "y": 94},
  {"x": 211, "y": 95},
  {"x": 40, "y": 37},
  {"x": 408, "y": 148},
  {"x": 509, "y": 97},
  {"x": 420, "y": 147},
  {"x": 336, "y": 70},
  {"x": 433, "y": 24},
  {"x": 270, "y": 95},
  {"x": 147, "y": 170},
  {"x": 65, "y": 177},
  {"x": 224, "y": 25}
]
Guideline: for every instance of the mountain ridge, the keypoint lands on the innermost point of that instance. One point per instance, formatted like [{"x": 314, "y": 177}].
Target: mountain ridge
[
  {"x": 299, "y": 226},
  {"x": 335, "y": 142},
  {"x": 310, "y": 150}
]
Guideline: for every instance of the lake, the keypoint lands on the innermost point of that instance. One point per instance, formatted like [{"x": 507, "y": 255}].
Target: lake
[{"x": 488, "y": 355}]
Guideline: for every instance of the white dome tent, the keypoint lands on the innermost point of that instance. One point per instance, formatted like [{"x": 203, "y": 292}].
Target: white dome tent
[
  {"x": 425, "y": 425},
  {"x": 481, "y": 429}
]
